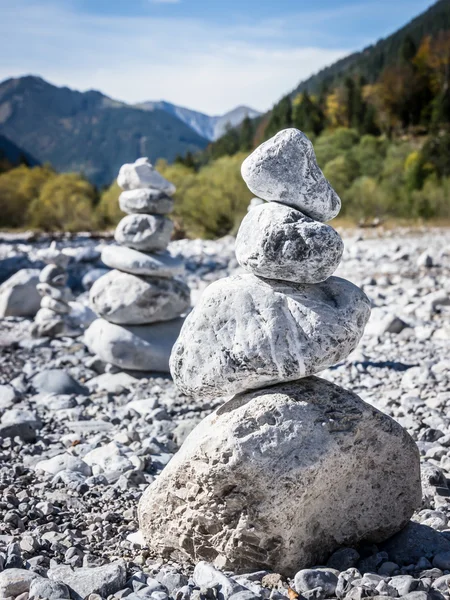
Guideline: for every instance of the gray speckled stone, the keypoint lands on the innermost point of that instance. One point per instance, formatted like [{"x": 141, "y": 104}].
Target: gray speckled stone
[
  {"x": 134, "y": 347},
  {"x": 284, "y": 169},
  {"x": 247, "y": 332},
  {"x": 144, "y": 232},
  {"x": 145, "y": 201},
  {"x": 141, "y": 174},
  {"x": 124, "y": 298},
  {"x": 139, "y": 263},
  {"x": 54, "y": 275},
  {"x": 279, "y": 242},
  {"x": 343, "y": 471}
]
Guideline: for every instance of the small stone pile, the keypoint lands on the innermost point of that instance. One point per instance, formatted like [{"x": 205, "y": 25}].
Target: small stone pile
[
  {"x": 139, "y": 301},
  {"x": 291, "y": 467},
  {"x": 53, "y": 318}
]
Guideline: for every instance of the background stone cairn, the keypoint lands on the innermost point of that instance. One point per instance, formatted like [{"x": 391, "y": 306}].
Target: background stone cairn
[
  {"x": 53, "y": 318},
  {"x": 139, "y": 301},
  {"x": 290, "y": 467}
]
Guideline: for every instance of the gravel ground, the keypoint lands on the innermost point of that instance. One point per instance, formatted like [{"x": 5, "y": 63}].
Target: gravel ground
[{"x": 79, "y": 442}]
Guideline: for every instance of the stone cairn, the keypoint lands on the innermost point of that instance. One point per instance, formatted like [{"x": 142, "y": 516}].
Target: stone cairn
[
  {"x": 139, "y": 301},
  {"x": 291, "y": 467},
  {"x": 53, "y": 318}
]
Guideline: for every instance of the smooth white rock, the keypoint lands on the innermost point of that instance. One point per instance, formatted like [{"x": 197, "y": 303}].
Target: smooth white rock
[
  {"x": 141, "y": 174},
  {"x": 254, "y": 202},
  {"x": 14, "y": 582},
  {"x": 148, "y": 233},
  {"x": 57, "y": 306},
  {"x": 247, "y": 332},
  {"x": 284, "y": 169},
  {"x": 57, "y": 293},
  {"x": 279, "y": 242},
  {"x": 128, "y": 299},
  {"x": 53, "y": 275},
  {"x": 64, "y": 462},
  {"x": 114, "y": 383},
  {"x": 281, "y": 477},
  {"x": 139, "y": 263},
  {"x": 52, "y": 255},
  {"x": 138, "y": 348},
  {"x": 18, "y": 294},
  {"x": 145, "y": 201}
]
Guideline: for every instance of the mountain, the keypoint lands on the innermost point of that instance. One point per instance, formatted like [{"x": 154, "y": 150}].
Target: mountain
[
  {"x": 208, "y": 127},
  {"x": 11, "y": 155},
  {"x": 371, "y": 61},
  {"x": 88, "y": 132}
]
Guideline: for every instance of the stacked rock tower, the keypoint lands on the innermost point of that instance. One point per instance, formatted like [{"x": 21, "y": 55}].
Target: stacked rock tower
[
  {"x": 139, "y": 301},
  {"x": 53, "y": 318},
  {"x": 291, "y": 467}
]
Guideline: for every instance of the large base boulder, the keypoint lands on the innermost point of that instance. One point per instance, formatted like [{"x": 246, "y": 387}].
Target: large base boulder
[
  {"x": 279, "y": 478},
  {"x": 134, "y": 347}
]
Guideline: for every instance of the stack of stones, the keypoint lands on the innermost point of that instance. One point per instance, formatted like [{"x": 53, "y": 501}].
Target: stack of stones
[
  {"x": 290, "y": 467},
  {"x": 53, "y": 318},
  {"x": 139, "y": 301}
]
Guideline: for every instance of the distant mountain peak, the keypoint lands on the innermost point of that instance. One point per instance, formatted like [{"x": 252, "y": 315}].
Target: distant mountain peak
[{"x": 209, "y": 127}]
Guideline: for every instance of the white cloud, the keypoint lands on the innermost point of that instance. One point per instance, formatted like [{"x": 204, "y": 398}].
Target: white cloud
[{"x": 186, "y": 61}]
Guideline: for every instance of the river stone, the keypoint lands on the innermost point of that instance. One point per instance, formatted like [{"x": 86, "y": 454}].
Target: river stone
[
  {"x": 280, "y": 478},
  {"x": 141, "y": 174},
  {"x": 146, "y": 201},
  {"x": 144, "y": 232},
  {"x": 124, "y": 298},
  {"x": 138, "y": 347},
  {"x": 284, "y": 169},
  {"x": 279, "y": 242},
  {"x": 139, "y": 263},
  {"x": 54, "y": 275},
  {"x": 57, "y": 306},
  {"x": 57, "y": 381},
  {"x": 19, "y": 296},
  {"x": 247, "y": 332}
]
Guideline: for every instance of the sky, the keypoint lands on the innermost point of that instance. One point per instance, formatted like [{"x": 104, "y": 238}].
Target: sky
[{"x": 207, "y": 55}]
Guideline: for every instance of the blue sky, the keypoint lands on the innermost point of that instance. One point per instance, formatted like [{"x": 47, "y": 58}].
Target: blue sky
[{"x": 208, "y": 55}]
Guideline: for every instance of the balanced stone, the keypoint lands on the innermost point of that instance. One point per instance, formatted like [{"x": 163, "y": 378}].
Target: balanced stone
[
  {"x": 144, "y": 232},
  {"x": 246, "y": 333},
  {"x": 124, "y": 298},
  {"x": 135, "y": 347},
  {"x": 279, "y": 478},
  {"x": 141, "y": 174},
  {"x": 63, "y": 294},
  {"x": 53, "y": 275},
  {"x": 279, "y": 242},
  {"x": 52, "y": 255},
  {"x": 57, "y": 306},
  {"x": 284, "y": 169},
  {"x": 145, "y": 201},
  {"x": 139, "y": 263}
]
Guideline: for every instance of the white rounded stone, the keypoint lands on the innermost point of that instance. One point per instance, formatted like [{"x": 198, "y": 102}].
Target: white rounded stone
[
  {"x": 280, "y": 478},
  {"x": 279, "y": 242},
  {"x": 139, "y": 263},
  {"x": 138, "y": 347},
  {"x": 141, "y": 174},
  {"x": 124, "y": 298},
  {"x": 148, "y": 233},
  {"x": 18, "y": 294},
  {"x": 63, "y": 294},
  {"x": 56, "y": 306},
  {"x": 247, "y": 332},
  {"x": 284, "y": 169},
  {"x": 145, "y": 201},
  {"x": 53, "y": 275}
]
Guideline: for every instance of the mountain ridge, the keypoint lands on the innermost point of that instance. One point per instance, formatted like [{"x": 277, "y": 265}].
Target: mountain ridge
[
  {"x": 209, "y": 126},
  {"x": 87, "y": 132}
]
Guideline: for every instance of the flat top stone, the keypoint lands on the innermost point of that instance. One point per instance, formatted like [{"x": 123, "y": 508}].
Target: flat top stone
[
  {"x": 160, "y": 264},
  {"x": 142, "y": 174},
  {"x": 284, "y": 169},
  {"x": 146, "y": 200}
]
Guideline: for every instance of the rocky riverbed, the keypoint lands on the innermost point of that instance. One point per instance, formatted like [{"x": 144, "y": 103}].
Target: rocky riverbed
[{"x": 80, "y": 441}]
